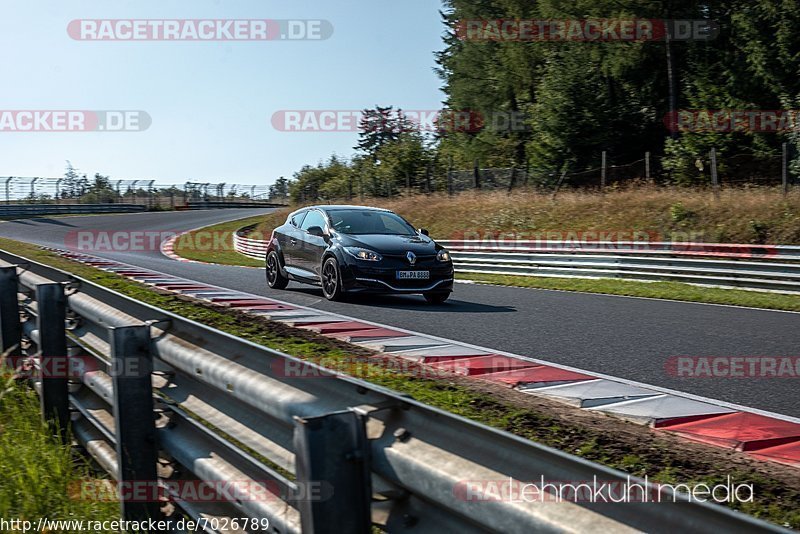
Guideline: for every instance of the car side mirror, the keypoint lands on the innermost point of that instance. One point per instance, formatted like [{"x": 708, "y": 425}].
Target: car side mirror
[
  {"x": 423, "y": 231},
  {"x": 316, "y": 230}
]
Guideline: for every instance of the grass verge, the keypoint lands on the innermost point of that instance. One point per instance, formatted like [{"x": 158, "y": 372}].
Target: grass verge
[
  {"x": 39, "y": 473},
  {"x": 655, "y": 290},
  {"x": 625, "y": 446},
  {"x": 214, "y": 244}
]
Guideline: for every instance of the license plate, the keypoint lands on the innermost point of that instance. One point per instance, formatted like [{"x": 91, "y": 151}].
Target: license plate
[{"x": 413, "y": 275}]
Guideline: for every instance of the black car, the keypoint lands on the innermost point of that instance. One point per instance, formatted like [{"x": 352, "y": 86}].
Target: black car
[{"x": 356, "y": 249}]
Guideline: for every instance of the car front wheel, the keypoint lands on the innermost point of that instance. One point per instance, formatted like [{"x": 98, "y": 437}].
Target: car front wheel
[
  {"x": 275, "y": 278},
  {"x": 331, "y": 280},
  {"x": 436, "y": 298}
]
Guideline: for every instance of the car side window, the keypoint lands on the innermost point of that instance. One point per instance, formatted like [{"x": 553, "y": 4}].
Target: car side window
[
  {"x": 297, "y": 220},
  {"x": 314, "y": 218}
]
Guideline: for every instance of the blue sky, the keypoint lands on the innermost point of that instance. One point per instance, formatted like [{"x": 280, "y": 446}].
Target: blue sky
[{"x": 210, "y": 102}]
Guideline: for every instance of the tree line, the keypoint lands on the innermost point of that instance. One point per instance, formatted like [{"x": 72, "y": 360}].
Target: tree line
[{"x": 579, "y": 98}]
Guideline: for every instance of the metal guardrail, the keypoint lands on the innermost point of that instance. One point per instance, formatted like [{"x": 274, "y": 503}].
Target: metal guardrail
[
  {"x": 22, "y": 210},
  {"x": 224, "y": 409},
  {"x": 763, "y": 267},
  {"x": 207, "y": 205},
  {"x": 255, "y": 248}
]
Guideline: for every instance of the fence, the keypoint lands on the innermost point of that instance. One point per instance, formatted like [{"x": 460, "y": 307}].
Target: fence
[
  {"x": 223, "y": 411},
  {"x": 141, "y": 192},
  {"x": 713, "y": 169}
]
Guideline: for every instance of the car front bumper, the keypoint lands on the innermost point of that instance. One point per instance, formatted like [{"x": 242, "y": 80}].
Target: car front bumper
[{"x": 358, "y": 277}]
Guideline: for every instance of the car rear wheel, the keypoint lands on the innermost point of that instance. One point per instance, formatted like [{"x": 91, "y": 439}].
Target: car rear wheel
[
  {"x": 436, "y": 298},
  {"x": 275, "y": 278},
  {"x": 331, "y": 280}
]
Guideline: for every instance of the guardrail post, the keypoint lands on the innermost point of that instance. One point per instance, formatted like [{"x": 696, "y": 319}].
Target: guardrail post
[
  {"x": 332, "y": 456},
  {"x": 10, "y": 327},
  {"x": 603, "y": 171},
  {"x": 137, "y": 452},
  {"x": 53, "y": 359},
  {"x": 714, "y": 175}
]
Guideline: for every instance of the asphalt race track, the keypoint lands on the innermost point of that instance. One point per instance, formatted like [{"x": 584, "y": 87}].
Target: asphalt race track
[{"x": 625, "y": 337}]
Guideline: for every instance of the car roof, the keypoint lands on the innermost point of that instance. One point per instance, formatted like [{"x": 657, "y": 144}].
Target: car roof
[{"x": 334, "y": 207}]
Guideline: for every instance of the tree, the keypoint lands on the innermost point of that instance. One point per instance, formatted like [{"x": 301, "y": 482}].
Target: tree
[
  {"x": 402, "y": 163},
  {"x": 380, "y": 126},
  {"x": 100, "y": 191},
  {"x": 325, "y": 181},
  {"x": 578, "y": 99},
  {"x": 280, "y": 189},
  {"x": 73, "y": 185}
]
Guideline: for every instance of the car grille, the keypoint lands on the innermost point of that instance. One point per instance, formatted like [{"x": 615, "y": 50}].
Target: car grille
[{"x": 399, "y": 261}]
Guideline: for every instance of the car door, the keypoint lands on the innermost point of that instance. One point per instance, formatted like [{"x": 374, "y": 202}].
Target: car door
[
  {"x": 311, "y": 246},
  {"x": 291, "y": 239}
]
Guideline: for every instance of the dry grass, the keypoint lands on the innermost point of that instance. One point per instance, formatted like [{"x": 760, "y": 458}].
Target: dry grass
[{"x": 741, "y": 215}]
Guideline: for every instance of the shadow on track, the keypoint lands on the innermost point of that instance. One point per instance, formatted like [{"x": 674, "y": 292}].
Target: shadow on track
[
  {"x": 29, "y": 220},
  {"x": 408, "y": 302}
]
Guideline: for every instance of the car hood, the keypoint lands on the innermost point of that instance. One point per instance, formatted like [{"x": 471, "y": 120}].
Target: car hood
[{"x": 390, "y": 244}]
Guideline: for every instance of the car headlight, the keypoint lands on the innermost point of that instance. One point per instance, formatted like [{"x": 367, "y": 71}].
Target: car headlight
[
  {"x": 443, "y": 255},
  {"x": 363, "y": 254}
]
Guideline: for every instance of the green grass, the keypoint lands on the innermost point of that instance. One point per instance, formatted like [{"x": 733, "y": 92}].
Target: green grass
[
  {"x": 38, "y": 472},
  {"x": 777, "y": 499},
  {"x": 656, "y": 290},
  {"x": 214, "y": 244}
]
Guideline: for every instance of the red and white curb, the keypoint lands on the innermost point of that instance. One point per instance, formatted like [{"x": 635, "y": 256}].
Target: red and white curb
[
  {"x": 168, "y": 249},
  {"x": 760, "y": 434}
]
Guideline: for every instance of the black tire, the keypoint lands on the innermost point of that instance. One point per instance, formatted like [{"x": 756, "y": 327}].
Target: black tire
[
  {"x": 331, "y": 279},
  {"x": 436, "y": 298},
  {"x": 275, "y": 278}
]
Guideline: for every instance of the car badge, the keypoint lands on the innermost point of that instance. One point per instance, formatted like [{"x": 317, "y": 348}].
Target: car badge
[{"x": 412, "y": 258}]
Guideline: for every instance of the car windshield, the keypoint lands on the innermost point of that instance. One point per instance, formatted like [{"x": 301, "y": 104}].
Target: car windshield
[{"x": 369, "y": 222}]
